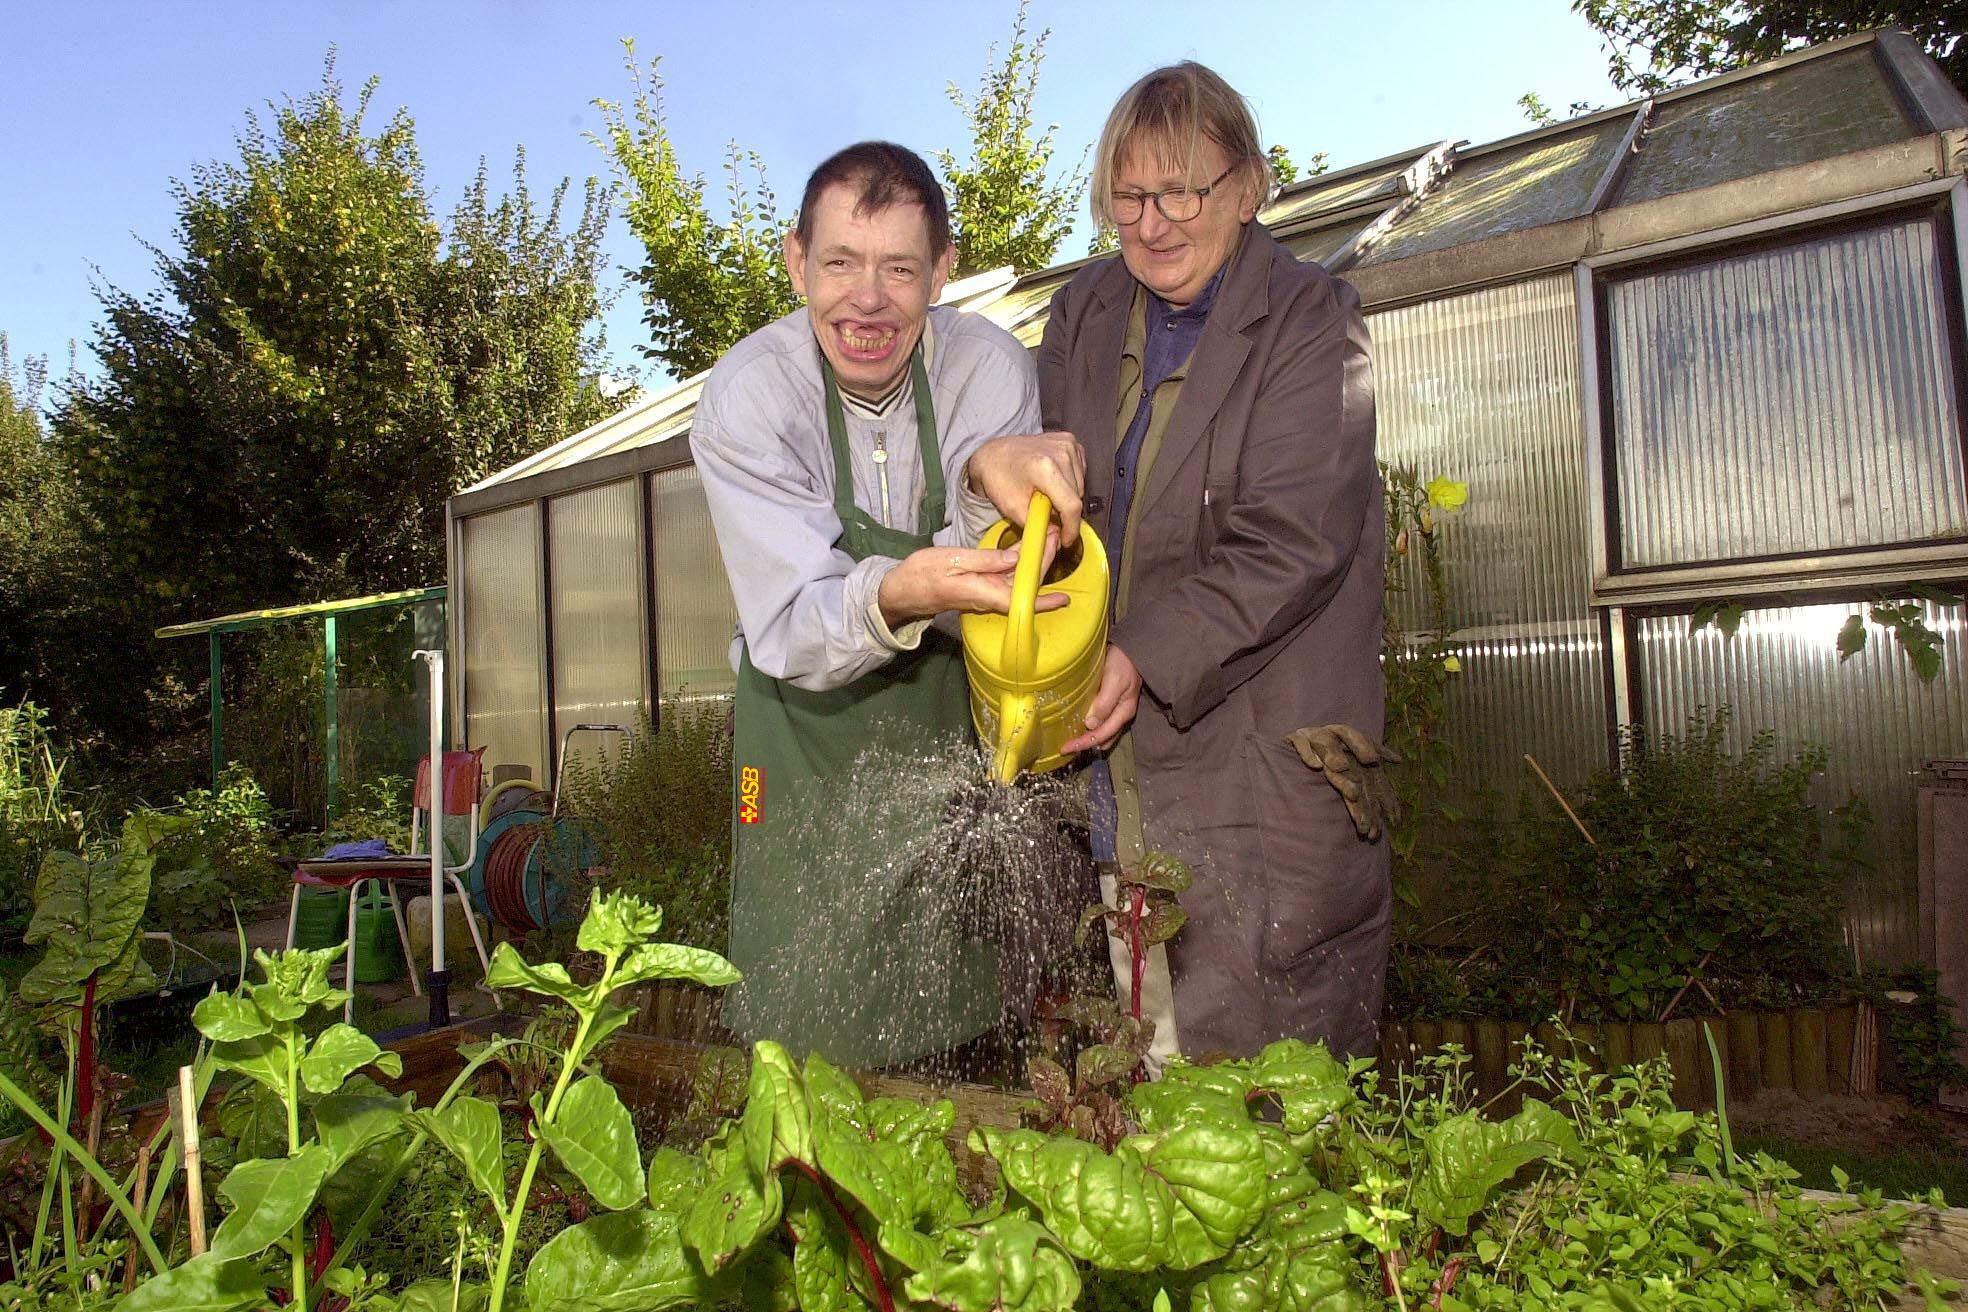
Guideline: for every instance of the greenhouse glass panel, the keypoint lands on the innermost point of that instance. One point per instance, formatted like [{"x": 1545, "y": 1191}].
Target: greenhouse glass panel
[
  {"x": 1787, "y": 401},
  {"x": 599, "y": 658},
  {"x": 1873, "y": 716},
  {"x": 1484, "y": 388},
  {"x": 695, "y": 615},
  {"x": 1809, "y": 111},
  {"x": 1543, "y": 181},
  {"x": 504, "y": 666}
]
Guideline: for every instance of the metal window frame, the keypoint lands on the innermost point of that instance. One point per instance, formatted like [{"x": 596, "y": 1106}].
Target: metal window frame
[{"x": 1680, "y": 586}]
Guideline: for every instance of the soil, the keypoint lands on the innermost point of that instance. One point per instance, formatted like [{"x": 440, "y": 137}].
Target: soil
[{"x": 1883, "y": 1123}]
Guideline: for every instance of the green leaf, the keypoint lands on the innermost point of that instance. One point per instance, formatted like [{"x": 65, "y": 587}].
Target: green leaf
[
  {"x": 347, "y": 1122},
  {"x": 210, "y": 1283},
  {"x": 436, "y": 1296},
  {"x": 593, "y": 1136},
  {"x": 674, "y": 1180},
  {"x": 228, "y": 1017},
  {"x": 1729, "y": 618},
  {"x": 1468, "y": 1157},
  {"x": 1928, "y": 592},
  {"x": 1307, "y": 1080},
  {"x": 269, "y": 1197},
  {"x": 262, "y": 1059},
  {"x": 1101, "y": 1064},
  {"x": 87, "y": 913},
  {"x": 675, "y": 961},
  {"x": 255, "y": 1118},
  {"x": 512, "y": 971},
  {"x": 1177, "y": 1201},
  {"x": 296, "y": 980},
  {"x": 633, "y": 1261},
  {"x": 776, "y": 1126},
  {"x": 878, "y": 1174},
  {"x": 732, "y": 1215},
  {"x": 341, "y": 1051},
  {"x": 821, "y": 1260},
  {"x": 1851, "y": 637},
  {"x": 1010, "y": 1263},
  {"x": 617, "y": 922},
  {"x": 469, "y": 1131}
]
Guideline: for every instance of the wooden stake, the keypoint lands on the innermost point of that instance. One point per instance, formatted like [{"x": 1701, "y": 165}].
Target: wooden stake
[
  {"x": 1546, "y": 779},
  {"x": 137, "y": 1200},
  {"x": 194, "y": 1186}
]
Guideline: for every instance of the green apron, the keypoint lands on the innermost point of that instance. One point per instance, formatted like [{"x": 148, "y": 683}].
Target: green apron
[{"x": 841, "y": 953}]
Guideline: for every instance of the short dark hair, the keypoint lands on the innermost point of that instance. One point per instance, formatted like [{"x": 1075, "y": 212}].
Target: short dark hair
[{"x": 886, "y": 174}]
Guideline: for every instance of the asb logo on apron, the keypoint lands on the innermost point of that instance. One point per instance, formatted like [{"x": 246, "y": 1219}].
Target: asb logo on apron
[{"x": 751, "y": 787}]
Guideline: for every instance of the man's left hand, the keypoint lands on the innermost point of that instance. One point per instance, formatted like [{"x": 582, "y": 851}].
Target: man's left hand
[{"x": 1352, "y": 762}]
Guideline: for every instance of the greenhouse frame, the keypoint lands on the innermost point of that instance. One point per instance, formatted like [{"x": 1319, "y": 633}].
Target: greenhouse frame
[{"x": 1703, "y": 348}]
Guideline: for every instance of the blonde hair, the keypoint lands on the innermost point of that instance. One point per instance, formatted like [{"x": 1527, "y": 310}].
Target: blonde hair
[{"x": 1169, "y": 112}]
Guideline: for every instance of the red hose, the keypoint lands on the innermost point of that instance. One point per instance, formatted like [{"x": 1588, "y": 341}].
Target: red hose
[{"x": 505, "y": 876}]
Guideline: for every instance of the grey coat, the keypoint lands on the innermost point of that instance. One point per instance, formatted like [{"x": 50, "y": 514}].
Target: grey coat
[{"x": 1255, "y": 573}]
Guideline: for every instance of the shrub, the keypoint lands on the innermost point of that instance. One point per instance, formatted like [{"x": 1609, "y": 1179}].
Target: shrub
[
  {"x": 665, "y": 807},
  {"x": 38, "y": 813},
  {"x": 1709, "y": 865},
  {"x": 214, "y": 851}
]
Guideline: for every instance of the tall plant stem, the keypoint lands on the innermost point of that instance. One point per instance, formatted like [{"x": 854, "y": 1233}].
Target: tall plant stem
[
  {"x": 65, "y": 1141},
  {"x": 298, "y": 1240},
  {"x": 510, "y": 1219}
]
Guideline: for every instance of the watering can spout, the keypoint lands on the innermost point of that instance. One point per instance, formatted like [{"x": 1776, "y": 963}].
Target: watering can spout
[{"x": 1018, "y": 722}]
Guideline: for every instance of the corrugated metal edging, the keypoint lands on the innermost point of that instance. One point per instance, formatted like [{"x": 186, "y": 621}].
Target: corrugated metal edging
[
  {"x": 1872, "y": 715},
  {"x": 1799, "y": 399},
  {"x": 505, "y": 700},
  {"x": 594, "y": 541},
  {"x": 1483, "y": 387},
  {"x": 695, "y": 613}
]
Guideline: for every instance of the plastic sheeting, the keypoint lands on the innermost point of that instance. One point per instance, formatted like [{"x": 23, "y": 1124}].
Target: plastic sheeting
[
  {"x": 504, "y": 665},
  {"x": 600, "y": 661},
  {"x": 1786, "y": 401},
  {"x": 695, "y": 613}
]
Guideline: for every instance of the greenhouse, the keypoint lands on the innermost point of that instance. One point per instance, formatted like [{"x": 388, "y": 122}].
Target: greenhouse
[{"x": 1701, "y": 350}]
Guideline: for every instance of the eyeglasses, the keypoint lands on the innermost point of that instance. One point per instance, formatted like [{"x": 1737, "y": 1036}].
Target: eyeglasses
[{"x": 1177, "y": 204}]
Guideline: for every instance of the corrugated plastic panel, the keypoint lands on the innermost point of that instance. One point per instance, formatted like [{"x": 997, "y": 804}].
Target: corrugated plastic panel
[
  {"x": 505, "y": 693},
  {"x": 1799, "y": 399},
  {"x": 1873, "y": 716},
  {"x": 594, "y": 540},
  {"x": 1542, "y": 181},
  {"x": 695, "y": 615},
  {"x": 1811, "y": 110},
  {"x": 1340, "y": 193},
  {"x": 1484, "y": 388}
]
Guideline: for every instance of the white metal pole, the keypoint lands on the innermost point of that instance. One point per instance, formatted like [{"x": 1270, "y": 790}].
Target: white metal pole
[{"x": 440, "y": 1013}]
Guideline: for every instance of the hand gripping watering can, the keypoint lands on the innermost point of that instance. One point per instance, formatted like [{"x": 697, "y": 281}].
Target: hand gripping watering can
[{"x": 1033, "y": 675}]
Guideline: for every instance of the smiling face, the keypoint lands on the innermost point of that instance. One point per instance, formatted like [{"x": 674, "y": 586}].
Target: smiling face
[
  {"x": 869, "y": 279},
  {"x": 1177, "y": 260}
]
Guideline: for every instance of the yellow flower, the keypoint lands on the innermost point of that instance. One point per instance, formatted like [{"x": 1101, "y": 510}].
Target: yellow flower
[
  {"x": 1453, "y": 664},
  {"x": 1447, "y": 493}
]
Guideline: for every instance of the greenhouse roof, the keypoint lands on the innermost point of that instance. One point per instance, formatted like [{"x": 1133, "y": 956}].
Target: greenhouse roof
[{"x": 1377, "y": 222}]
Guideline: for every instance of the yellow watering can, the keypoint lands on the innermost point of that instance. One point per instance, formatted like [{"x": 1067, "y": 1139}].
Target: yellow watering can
[{"x": 1033, "y": 675}]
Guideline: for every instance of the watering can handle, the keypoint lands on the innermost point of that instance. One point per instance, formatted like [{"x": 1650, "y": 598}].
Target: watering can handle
[{"x": 1020, "y": 656}]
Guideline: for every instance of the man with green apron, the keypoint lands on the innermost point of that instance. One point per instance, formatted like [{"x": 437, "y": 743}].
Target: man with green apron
[{"x": 833, "y": 447}]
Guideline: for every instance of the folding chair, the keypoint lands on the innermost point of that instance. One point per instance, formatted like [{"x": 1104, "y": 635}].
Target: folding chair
[{"x": 463, "y": 785}]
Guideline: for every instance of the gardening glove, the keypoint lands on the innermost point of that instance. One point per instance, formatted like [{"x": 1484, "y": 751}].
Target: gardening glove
[{"x": 1352, "y": 762}]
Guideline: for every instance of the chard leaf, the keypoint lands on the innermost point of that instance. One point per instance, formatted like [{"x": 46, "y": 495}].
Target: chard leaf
[
  {"x": 634, "y": 1261},
  {"x": 617, "y": 922},
  {"x": 469, "y": 1130},
  {"x": 594, "y": 1138},
  {"x": 269, "y": 1197},
  {"x": 1176, "y": 1201},
  {"x": 1011, "y": 1263},
  {"x": 777, "y": 1126},
  {"x": 209, "y": 1283},
  {"x": 1307, "y": 1080},
  {"x": 674, "y": 1179},
  {"x": 1468, "y": 1157},
  {"x": 675, "y": 961},
  {"x": 732, "y": 1215},
  {"x": 877, "y": 1173},
  {"x": 340, "y": 1052},
  {"x": 228, "y": 1018},
  {"x": 86, "y": 913},
  {"x": 512, "y": 971},
  {"x": 820, "y": 1254}
]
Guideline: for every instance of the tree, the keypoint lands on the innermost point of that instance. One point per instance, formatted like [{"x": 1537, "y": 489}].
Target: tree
[
  {"x": 1003, "y": 208},
  {"x": 1654, "y": 44},
  {"x": 705, "y": 284},
  {"x": 37, "y": 529},
  {"x": 321, "y": 369}
]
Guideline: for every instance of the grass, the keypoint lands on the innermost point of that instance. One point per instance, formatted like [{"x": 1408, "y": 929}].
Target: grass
[{"x": 1897, "y": 1173}]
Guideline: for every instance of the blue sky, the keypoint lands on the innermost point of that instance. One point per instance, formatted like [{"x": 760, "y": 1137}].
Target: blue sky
[{"x": 105, "y": 103}]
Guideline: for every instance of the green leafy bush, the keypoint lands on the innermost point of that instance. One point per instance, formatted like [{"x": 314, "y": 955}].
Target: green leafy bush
[
  {"x": 38, "y": 813},
  {"x": 214, "y": 852},
  {"x": 665, "y": 808},
  {"x": 1709, "y": 866}
]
